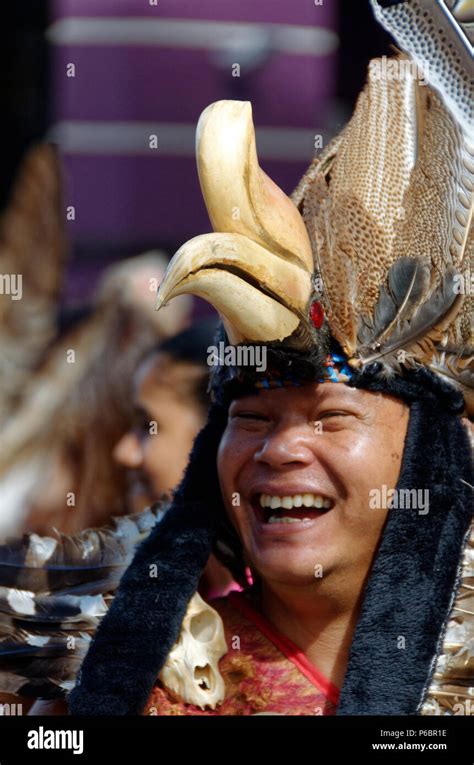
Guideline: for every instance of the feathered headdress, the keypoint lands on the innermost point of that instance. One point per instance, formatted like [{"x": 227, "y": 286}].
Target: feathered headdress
[{"x": 384, "y": 260}]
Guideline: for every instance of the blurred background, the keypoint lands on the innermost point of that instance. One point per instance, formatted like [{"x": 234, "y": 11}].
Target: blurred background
[{"x": 99, "y": 77}]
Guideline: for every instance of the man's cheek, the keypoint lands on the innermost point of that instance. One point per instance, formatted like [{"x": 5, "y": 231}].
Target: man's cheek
[{"x": 362, "y": 519}]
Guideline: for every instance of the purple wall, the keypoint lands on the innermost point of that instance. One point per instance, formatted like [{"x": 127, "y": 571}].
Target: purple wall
[{"x": 128, "y": 197}]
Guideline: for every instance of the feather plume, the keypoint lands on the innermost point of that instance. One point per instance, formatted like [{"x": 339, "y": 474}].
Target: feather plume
[
  {"x": 54, "y": 592},
  {"x": 408, "y": 282},
  {"x": 355, "y": 198},
  {"x": 456, "y": 367},
  {"x": 425, "y": 327},
  {"x": 388, "y": 204},
  {"x": 452, "y": 686}
]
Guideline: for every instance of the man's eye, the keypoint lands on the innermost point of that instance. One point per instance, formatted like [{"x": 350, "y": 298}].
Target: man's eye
[
  {"x": 335, "y": 413},
  {"x": 248, "y": 416}
]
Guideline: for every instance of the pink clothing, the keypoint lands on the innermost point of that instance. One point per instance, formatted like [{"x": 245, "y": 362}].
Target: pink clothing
[{"x": 263, "y": 671}]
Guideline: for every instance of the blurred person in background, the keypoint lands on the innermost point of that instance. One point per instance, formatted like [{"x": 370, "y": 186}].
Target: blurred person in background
[
  {"x": 64, "y": 384},
  {"x": 170, "y": 402},
  {"x": 65, "y": 394},
  {"x": 66, "y": 376},
  {"x": 170, "y": 408},
  {"x": 56, "y": 469}
]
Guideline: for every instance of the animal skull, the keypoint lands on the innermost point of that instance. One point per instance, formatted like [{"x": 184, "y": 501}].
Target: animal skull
[{"x": 191, "y": 672}]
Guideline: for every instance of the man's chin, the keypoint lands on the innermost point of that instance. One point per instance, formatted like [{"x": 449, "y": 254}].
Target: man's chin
[
  {"x": 285, "y": 578},
  {"x": 295, "y": 570}
]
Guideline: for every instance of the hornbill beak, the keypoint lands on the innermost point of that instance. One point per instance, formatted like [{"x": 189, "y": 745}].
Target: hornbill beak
[{"x": 256, "y": 269}]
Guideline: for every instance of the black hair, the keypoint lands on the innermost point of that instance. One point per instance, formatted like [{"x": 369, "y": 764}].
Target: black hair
[{"x": 192, "y": 345}]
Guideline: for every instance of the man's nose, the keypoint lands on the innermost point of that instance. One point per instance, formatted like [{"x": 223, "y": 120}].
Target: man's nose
[
  {"x": 287, "y": 445},
  {"x": 128, "y": 451}
]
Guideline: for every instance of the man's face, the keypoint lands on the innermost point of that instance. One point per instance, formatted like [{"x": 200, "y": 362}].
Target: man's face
[{"x": 327, "y": 441}]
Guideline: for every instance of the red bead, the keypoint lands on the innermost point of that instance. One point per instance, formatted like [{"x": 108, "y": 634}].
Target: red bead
[{"x": 316, "y": 314}]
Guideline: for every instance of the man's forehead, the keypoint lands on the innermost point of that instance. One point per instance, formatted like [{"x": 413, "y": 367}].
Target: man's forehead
[{"x": 310, "y": 391}]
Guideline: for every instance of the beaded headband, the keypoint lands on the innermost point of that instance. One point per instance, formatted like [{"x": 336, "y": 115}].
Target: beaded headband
[{"x": 336, "y": 370}]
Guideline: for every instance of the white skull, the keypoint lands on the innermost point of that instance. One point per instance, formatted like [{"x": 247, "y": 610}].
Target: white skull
[{"x": 191, "y": 672}]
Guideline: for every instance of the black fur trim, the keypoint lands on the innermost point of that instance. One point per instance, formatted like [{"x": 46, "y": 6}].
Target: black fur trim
[
  {"x": 417, "y": 383},
  {"x": 229, "y": 382}
]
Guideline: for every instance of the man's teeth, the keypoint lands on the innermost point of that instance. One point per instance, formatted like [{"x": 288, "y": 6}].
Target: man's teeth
[
  {"x": 286, "y": 519},
  {"x": 297, "y": 500}
]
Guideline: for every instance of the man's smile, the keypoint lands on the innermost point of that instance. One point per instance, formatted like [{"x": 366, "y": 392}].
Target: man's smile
[{"x": 289, "y": 510}]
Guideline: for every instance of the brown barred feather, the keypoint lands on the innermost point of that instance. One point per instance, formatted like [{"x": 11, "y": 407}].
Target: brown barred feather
[
  {"x": 55, "y": 591},
  {"x": 397, "y": 185}
]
